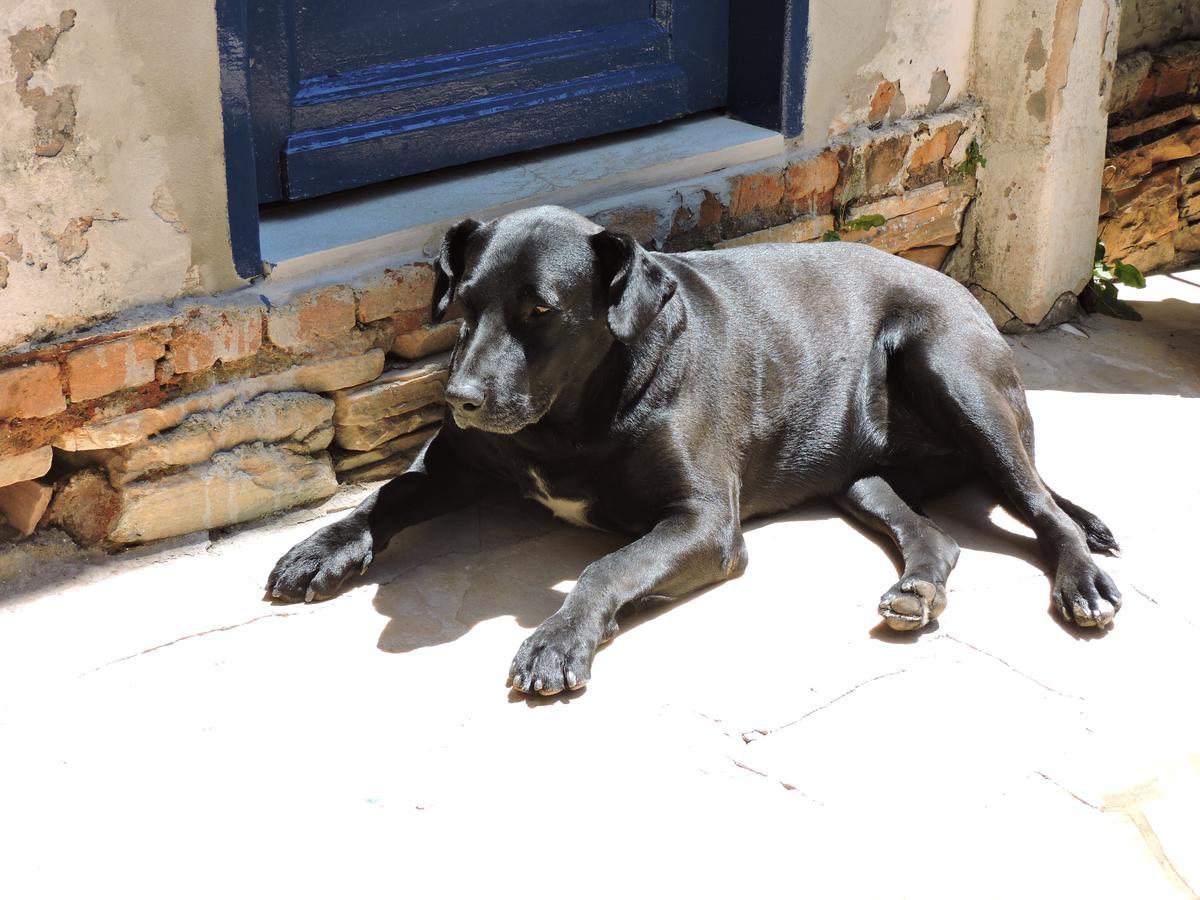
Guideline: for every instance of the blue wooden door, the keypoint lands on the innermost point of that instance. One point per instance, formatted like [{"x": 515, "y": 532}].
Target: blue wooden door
[{"x": 354, "y": 92}]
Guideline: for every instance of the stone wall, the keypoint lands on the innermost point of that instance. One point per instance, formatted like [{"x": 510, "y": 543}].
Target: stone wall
[
  {"x": 202, "y": 413},
  {"x": 1150, "y": 200}
]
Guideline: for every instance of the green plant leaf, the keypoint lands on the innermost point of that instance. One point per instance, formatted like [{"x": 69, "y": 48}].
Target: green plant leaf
[
  {"x": 1109, "y": 304},
  {"x": 865, "y": 223},
  {"x": 1100, "y": 251},
  {"x": 831, "y": 236},
  {"x": 1127, "y": 274}
]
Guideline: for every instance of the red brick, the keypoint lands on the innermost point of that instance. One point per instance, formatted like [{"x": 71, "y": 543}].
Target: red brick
[
  {"x": 755, "y": 193},
  {"x": 884, "y": 159},
  {"x": 405, "y": 289},
  {"x": 881, "y": 102},
  {"x": 216, "y": 335},
  {"x": 312, "y": 321},
  {"x": 31, "y": 391},
  {"x": 103, "y": 368},
  {"x": 925, "y": 164},
  {"x": 811, "y": 183}
]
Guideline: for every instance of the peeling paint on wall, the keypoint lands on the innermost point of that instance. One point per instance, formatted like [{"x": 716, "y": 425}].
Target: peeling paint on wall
[
  {"x": 876, "y": 61},
  {"x": 54, "y": 111},
  {"x": 112, "y": 181}
]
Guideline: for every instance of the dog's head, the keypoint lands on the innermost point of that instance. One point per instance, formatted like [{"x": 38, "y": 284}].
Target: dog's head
[{"x": 544, "y": 294}]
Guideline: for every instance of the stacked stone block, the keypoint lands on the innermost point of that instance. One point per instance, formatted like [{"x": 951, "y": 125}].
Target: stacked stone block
[{"x": 1150, "y": 201}]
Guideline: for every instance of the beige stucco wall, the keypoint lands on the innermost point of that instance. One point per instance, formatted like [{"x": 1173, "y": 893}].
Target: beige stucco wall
[
  {"x": 857, "y": 47},
  {"x": 112, "y": 182},
  {"x": 1153, "y": 23}
]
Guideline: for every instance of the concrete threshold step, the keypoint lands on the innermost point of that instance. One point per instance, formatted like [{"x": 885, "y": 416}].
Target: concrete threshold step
[{"x": 408, "y": 216}]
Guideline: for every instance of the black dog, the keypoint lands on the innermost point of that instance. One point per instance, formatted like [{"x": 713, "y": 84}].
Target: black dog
[{"x": 673, "y": 396}]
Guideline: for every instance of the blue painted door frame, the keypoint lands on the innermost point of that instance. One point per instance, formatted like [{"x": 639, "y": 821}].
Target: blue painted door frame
[{"x": 362, "y": 106}]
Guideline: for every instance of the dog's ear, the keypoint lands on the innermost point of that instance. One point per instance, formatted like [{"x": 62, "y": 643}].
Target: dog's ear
[
  {"x": 449, "y": 267},
  {"x": 637, "y": 286}
]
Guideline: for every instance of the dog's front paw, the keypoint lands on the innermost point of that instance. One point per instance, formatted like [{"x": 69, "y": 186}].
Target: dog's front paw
[
  {"x": 556, "y": 657},
  {"x": 911, "y": 603},
  {"x": 1085, "y": 595},
  {"x": 316, "y": 567}
]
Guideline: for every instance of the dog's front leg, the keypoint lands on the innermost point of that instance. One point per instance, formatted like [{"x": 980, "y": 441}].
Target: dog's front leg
[
  {"x": 316, "y": 567},
  {"x": 681, "y": 554}
]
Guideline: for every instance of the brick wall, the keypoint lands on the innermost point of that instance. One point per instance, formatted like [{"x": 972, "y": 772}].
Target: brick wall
[
  {"x": 200, "y": 414},
  {"x": 1150, "y": 201}
]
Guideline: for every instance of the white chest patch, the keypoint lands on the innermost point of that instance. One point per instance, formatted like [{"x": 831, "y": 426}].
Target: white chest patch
[{"x": 573, "y": 511}]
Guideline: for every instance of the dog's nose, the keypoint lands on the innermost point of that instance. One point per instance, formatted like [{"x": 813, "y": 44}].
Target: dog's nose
[{"x": 464, "y": 396}]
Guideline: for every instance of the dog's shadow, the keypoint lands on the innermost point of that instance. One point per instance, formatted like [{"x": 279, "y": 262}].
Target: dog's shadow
[{"x": 505, "y": 556}]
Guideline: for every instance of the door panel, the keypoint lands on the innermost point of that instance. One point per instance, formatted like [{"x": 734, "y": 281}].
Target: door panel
[{"x": 358, "y": 92}]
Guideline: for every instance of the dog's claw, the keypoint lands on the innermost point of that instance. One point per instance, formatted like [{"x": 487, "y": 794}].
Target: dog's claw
[
  {"x": 572, "y": 681},
  {"x": 309, "y": 594}
]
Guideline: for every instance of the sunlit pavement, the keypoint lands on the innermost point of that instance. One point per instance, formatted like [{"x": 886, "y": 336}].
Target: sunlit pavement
[{"x": 164, "y": 732}]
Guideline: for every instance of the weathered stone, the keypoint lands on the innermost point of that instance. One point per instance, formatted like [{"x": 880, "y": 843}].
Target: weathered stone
[
  {"x": 1138, "y": 224},
  {"x": 294, "y": 420},
  {"x": 753, "y": 194},
  {"x": 1123, "y": 170},
  {"x": 1190, "y": 209},
  {"x": 1186, "y": 113},
  {"x": 316, "y": 377},
  {"x": 345, "y": 460},
  {"x": 1187, "y": 239},
  {"x": 427, "y": 340},
  {"x": 884, "y": 160},
  {"x": 237, "y": 485},
  {"x": 809, "y": 185},
  {"x": 927, "y": 256},
  {"x": 32, "y": 391},
  {"x": 1176, "y": 69},
  {"x": 215, "y": 335},
  {"x": 369, "y": 435},
  {"x": 408, "y": 290},
  {"x": 101, "y": 369},
  {"x": 1162, "y": 184},
  {"x": 934, "y": 226},
  {"x": 1152, "y": 254},
  {"x": 396, "y": 403},
  {"x": 25, "y": 466},
  {"x": 313, "y": 321},
  {"x": 85, "y": 506},
  {"x": 790, "y": 233},
  {"x": 23, "y": 504},
  {"x": 385, "y": 469},
  {"x": 1128, "y": 77},
  {"x": 903, "y": 204},
  {"x": 926, "y": 162}
]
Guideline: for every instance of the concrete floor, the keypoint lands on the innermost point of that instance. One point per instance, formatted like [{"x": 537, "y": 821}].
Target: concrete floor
[{"x": 166, "y": 733}]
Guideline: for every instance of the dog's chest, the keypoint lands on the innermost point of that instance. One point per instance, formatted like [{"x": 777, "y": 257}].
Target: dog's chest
[{"x": 574, "y": 511}]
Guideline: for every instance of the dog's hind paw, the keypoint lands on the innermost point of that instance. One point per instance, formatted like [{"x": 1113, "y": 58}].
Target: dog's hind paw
[
  {"x": 556, "y": 657},
  {"x": 911, "y": 603}
]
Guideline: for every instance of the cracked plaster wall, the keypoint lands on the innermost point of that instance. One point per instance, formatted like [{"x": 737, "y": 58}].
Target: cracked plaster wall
[
  {"x": 872, "y": 61},
  {"x": 1146, "y": 24},
  {"x": 112, "y": 178}
]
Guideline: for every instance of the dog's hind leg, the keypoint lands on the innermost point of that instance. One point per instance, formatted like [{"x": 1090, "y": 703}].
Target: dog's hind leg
[
  {"x": 929, "y": 553},
  {"x": 974, "y": 395}
]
